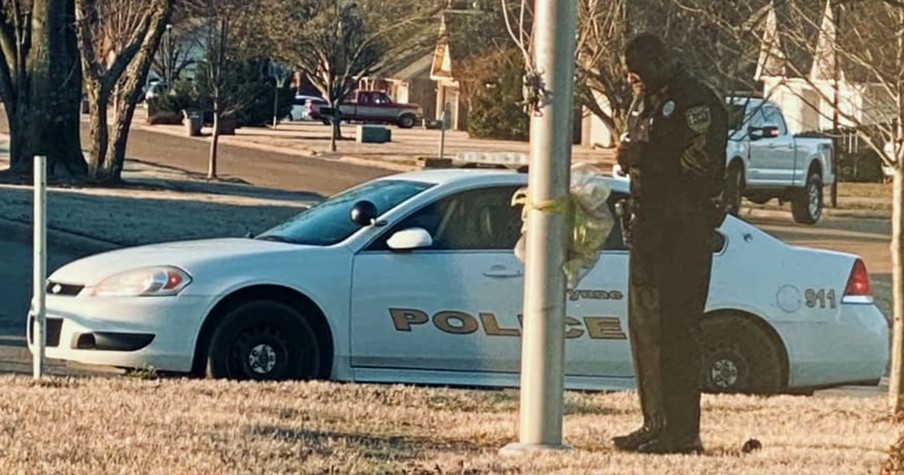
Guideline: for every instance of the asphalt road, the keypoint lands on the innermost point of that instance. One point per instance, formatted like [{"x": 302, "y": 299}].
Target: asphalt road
[{"x": 264, "y": 169}]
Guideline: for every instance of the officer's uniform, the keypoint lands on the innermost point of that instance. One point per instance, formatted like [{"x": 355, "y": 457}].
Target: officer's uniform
[{"x": 676, "y": 193}]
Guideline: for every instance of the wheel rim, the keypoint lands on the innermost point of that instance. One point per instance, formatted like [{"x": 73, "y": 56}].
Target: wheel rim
[
  {"x": 814, "y": 199},
  {"x": 259, "y": 352},
  {"x": 262, "y": 359},
  {"x": 724, "y": 373}
]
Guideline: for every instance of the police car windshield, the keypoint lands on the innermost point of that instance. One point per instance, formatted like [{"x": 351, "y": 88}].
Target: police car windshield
[{"x": 329, "y": 222}]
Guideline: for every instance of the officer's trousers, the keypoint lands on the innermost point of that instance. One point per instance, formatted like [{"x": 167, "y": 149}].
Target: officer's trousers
[{"x": 670, "y": 266}]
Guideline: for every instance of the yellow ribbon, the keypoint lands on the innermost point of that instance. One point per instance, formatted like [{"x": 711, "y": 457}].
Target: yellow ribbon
[{"x": 560, "y": 205}]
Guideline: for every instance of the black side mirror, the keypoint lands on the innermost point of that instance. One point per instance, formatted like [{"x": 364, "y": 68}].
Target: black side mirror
[
  {"x": 766, "y": 132},
  {"x": 363, "y": 213}
]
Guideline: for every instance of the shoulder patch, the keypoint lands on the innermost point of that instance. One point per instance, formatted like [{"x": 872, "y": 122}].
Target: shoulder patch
[{"x": 698, "y": 118}]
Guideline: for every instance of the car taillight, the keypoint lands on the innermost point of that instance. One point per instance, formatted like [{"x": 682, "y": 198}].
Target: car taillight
[{"x": 858, "y": 281}]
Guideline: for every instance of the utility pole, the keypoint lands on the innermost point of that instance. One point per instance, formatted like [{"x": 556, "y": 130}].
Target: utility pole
[{"x": 548, "y": 230}]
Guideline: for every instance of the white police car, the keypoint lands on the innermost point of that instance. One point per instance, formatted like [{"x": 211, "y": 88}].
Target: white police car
[{"x": 412, "y": 279}]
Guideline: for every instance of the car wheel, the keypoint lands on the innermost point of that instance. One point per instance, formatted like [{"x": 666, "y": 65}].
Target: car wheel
[
  {"x": 806, "y": 207},
  {"x": 326, "y": 121},
  {"x": 739, "y": 357},
  {"x": 264, "y": 340},
  {"x": 406, "y": 121},
  {"x": 734, "y": 188}
]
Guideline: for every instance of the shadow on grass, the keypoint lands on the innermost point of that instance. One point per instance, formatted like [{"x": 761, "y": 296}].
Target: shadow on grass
[{"x": 378, "y": 447}]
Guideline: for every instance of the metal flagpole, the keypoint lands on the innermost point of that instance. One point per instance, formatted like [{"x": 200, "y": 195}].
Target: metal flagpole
[{"x": 543, "y": 341}]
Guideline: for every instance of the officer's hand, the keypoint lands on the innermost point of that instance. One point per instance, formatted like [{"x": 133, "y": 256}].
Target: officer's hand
[{"x": 628, "y": 154}]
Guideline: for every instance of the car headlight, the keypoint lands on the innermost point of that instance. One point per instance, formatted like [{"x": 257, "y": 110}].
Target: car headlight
[{"x": 145, "y": 282}]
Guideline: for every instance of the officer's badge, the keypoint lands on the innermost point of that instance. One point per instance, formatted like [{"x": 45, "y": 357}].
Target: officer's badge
[
  {"x": 698, "y": 119},
  {"x": 668, "y": 109}
]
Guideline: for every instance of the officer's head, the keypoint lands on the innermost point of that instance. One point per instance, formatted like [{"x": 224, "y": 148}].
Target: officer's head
[{"x": 647, "y": 62}]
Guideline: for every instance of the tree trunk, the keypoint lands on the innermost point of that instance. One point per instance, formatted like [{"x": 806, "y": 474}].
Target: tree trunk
[
  {"x": 99, "y": 132},
  {"x": 896, "y": 401},
  {"x": 214, "y": 142},
  {"x": 52, "y": 118},
  {"x": 19, "y": 119},
  {"x": 122, "y": 123}
]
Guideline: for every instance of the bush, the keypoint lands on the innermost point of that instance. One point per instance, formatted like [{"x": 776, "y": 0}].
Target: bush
[
  {"x": 495, "y": 109},
  {"x": 862, "y": 166},
  {"x": 247, "y": 92}
]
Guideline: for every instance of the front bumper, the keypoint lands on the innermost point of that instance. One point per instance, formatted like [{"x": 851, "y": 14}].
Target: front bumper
[{"x": 133, "y": 332}]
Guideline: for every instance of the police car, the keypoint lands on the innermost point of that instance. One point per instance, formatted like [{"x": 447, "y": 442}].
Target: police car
[{"x": 412, "y": 278}]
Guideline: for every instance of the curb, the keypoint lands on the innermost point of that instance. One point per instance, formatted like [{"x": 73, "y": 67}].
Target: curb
[{"x": 58, "y": 239}]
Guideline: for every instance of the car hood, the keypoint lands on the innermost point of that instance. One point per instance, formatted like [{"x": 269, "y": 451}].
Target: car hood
[{"x": 184, "y": 254}]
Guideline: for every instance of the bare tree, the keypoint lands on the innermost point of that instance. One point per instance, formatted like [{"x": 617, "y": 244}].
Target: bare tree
[
  {"x": 335, "y": 43},
  {"x": 180, "y": 43},
  {"x": 235, "y": 33},
  {"x": 118, "y": 39},
  {"x": 696, "y": 29},
  {"x": 849, "y": 75},
  {"x": 40, "y": 84}
]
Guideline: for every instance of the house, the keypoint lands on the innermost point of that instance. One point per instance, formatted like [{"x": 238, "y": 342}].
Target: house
[
  {"x": 410, "y": 82},
  {"x": 807, "y": 86},
  {"x": 467, "y": 30}
]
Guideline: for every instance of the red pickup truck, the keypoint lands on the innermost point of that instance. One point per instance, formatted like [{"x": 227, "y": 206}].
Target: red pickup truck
[{"x": 372, "y": 106}]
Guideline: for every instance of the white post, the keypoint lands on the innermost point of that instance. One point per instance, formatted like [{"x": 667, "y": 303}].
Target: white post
[
  {"x": 40, "y": 264},
  {"x": 543, "y": 341}
]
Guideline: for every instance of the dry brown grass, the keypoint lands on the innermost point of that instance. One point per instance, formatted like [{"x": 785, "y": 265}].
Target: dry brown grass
[
  {"x": 865, "y": 190},
  {"x": 125, "y": 425}
]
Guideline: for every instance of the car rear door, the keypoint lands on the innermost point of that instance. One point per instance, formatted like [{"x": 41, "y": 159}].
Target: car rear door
[{"x": 453, "y": 306}]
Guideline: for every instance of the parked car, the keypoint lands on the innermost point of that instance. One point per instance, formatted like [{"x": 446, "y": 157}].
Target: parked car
[
  {"x": 412, "y": 278},
  {"x": 155, "y": 89},
  {"x": 303, "y": 105},
  {"x": 373, "y": 106},
  {"x": 767, "y": 161}
]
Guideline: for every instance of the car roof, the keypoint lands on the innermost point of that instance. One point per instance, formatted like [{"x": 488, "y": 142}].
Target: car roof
[{"x": 487, "y": 176}]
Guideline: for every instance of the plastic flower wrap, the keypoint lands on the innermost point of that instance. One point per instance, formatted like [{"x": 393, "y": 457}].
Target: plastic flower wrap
[{"x": 586, "y": 209}]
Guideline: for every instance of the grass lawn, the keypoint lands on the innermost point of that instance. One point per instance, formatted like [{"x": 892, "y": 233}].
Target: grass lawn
[{"x": 170, "y": 426}]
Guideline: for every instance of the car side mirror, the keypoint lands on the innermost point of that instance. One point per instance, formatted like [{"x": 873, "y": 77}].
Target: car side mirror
[
  {"x": 363, "y": 213},
  {"x": 409, "y": 239},
  {"x": 765, "y": 132}
]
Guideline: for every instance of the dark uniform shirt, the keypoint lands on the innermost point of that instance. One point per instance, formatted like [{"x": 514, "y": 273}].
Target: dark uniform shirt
[{"x": 684, "y": 131}]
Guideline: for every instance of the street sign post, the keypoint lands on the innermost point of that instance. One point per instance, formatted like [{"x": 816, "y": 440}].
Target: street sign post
[{"x": 38, "y": 311}]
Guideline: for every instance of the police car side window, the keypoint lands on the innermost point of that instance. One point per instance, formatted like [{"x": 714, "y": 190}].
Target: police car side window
[{"x": 481, "y": 219}]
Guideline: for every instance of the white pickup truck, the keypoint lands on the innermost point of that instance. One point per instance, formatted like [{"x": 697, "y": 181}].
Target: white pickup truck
[{"x": 766, "y": 160}]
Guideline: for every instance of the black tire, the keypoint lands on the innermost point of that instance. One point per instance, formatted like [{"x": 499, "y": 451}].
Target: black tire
[
  {"x": 406, "y": 121},
  {"x": 326, "y": 121},
  {"x": 806, "y": 205},
  {"x": 264, "y": 340},
  {"x": 734, "y": 188},
  {"x": 739, "y": 357}
]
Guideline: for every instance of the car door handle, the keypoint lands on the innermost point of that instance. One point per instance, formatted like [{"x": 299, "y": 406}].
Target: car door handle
[{"x": 502, "y": 272}]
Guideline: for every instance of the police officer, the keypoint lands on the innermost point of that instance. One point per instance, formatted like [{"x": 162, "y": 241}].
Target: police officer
[{"x": 675, "y": 154}]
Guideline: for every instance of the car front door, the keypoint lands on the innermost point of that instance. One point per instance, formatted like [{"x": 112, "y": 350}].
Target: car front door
[
  {"x": 771, "y": 157},
  {"x": 449, "y": 306}
]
